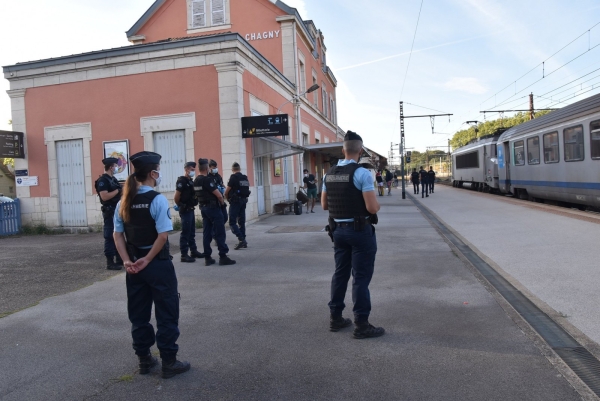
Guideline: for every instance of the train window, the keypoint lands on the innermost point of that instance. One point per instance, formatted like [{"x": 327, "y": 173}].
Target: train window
[
  {"x": 595, "y": 139},
  {"x": 551, "y": 150},
  {"x": 573, "y": 138},
  {"x": 468, "y": 160},
  {"x": 533, "y": 150},
  {"x": 519, "y": 153}
]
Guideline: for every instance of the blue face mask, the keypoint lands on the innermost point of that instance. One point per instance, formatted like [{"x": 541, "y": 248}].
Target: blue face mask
[
  {"x": 214, "y": 170},
  {"x": 159, "y": 179}
]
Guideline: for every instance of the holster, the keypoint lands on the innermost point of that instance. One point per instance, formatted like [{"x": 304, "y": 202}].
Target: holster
[{"x": 330, "y": 228}]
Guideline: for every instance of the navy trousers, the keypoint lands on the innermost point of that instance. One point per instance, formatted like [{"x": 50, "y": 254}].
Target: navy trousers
[
  {"x": 354, "y": 255},
  {"x": 213, "y": 221},
  {"x": 225, "y": 219},
  {"x": 156, "y": 284},
  {"x": 237, "y": 218},
  {"x": 416, "y": 187},
  {"x": 187, "y": 239},
  {"x": 424, "y": 186},
  {"x": 110, "y": 249},
  {"x": 431, "y": 184}
]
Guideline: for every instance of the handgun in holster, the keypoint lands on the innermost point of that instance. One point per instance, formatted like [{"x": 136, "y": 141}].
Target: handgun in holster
[{"x": 330, "y": 228}]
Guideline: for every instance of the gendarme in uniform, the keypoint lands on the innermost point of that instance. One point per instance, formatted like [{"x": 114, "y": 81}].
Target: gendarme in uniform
[
  {"x": 143, "y": 243},
  {"x": 105, "y": 185},
  {"x": 345, "y": 188},
  {"x": 237, "y": 193},
  {"x": 186, "y": 202}
]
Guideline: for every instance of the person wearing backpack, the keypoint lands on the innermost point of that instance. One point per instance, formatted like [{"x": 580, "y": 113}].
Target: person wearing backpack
[
  {"x": 424, "y": 182},
  {"x": 237, "y": 192}
]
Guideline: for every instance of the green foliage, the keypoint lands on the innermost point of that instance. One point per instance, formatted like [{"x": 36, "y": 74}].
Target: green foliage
[
  {"x": 418, "y": 159},
  {"x": 8, "y": 162},
  {"x": 40, "y": 229},
  {"x": 199, "y": 222},
  {"x": 463, "y": 137}
]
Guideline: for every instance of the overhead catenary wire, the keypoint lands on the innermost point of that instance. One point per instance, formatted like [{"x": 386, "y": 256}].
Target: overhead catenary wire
[{"x": 411, "y": 50}]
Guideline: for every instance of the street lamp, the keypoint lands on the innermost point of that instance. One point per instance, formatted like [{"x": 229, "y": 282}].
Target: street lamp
[{"x": 309, "y": 90}]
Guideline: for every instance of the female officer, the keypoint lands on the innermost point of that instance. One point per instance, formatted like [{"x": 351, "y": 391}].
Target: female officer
[{"x": 141, "y": 235}]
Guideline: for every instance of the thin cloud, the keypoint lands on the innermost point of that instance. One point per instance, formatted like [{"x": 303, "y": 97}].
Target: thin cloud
[
  {"x": 466, "y": 84},
  {"x": 414, "y": 51}
]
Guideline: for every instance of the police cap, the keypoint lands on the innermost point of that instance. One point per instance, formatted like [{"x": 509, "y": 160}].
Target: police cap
[
  {"x": 109, "y": 161},
  {"x": 202, "y": 162},
  {"x": 352, "y": 136},
  {"x": 190, "y": 164},
  {"x": 212, "y": 163},
  {"x": 143, "y": 158}
]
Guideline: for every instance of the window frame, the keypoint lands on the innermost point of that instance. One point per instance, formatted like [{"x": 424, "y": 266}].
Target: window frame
[
  {"x": 522, "y": 141},
  {"x": 538, "y": 150},
  {"x": 557, "y": 147},
  {"x": 192, "y": 26},
  {"x": 592, "y": 140},
  {"x": 582, "y": 144},
  {"x": 212, "y": 13}
]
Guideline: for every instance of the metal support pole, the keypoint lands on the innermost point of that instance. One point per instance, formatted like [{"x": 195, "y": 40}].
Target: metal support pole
[{"x": 402, "y": 150}]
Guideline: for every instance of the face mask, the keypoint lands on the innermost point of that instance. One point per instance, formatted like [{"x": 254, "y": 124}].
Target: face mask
[
  {"x": 215, "y": 170},
  {"x": 306, "y": 175},
  {"x": 159, "y": 179},
  {"x": 192, "y": 174},
  {"x": 115, "y": 169}
]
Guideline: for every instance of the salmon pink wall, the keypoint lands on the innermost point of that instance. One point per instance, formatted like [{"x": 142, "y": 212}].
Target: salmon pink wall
[
  {"x": 114, "y": 107},
  {"x": 247, "y": 17}
]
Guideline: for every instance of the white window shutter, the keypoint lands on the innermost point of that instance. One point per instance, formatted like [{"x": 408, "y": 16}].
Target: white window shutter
[
  {"x": 198, "y": 13},
  {"x": 218, "y": 12}
]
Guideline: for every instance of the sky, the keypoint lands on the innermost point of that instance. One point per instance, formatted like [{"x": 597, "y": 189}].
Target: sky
[{"x": 468, "y": 55}]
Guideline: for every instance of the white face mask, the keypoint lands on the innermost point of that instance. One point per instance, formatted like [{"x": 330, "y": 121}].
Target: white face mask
[
  {"x": 306, "y": 175},
  {"x": 215, "y": 170},
  {"x": 115, "y": 169},
  {"x": 159, "y": 179},
  {"x": 192, "y": 174}
]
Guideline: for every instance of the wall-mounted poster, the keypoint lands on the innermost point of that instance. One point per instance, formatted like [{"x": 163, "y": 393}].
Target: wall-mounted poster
[
  {"x": 120, "y": 151},
  {"x": 277, "y": 169}
]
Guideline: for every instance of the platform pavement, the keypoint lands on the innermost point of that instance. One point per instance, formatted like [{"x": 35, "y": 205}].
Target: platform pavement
[
  {"x": 259, "y": 330},
  {"x": 552, "y": 255}
]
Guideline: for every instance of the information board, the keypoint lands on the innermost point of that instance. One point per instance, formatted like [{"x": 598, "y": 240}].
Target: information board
[
  {"x": 11, "y": 145},
  {"x": 260, "y": 126}
]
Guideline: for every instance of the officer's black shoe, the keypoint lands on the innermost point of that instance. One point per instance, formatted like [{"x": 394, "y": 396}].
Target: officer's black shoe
[
  {"x": 196, "y": 254},
  {"x": 174, "y": 367},
  {"x": 336, "y": 323},
  {"x": 367, "y": 330},
  {"x": 185, "y": 258},
  {"x": 209, "y": 261},
  {"x": 146, "y": 363},
  {"x": 111, "y": 265},
  {"x": 225, "y": 261},
  {"x": 241, "y": 244}
]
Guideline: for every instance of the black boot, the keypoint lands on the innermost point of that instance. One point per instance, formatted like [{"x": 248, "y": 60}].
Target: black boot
[
  {"x": 185, "y": 258},
  {"x": 196, "y": 254},
  {"x": 146, "y": 363},
  {"x": 172, "y": 367},
  {"x": 337, "y": 322},
  {"x": 111, "y": 265},
  {"x": 209, "y": 261},
  {"x": 225, "y": 261},
  {"x": 365, "y": 330},
  {"x": 241, "y": 244}
]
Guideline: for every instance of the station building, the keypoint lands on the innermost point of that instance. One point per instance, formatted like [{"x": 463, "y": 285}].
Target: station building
[{"x": 192, "y": 70}]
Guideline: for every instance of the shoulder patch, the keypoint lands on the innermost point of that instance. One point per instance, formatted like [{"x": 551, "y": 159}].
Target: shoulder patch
[
  {"x": 179, "y": 185},
  {"x": 101, "y": 183}
]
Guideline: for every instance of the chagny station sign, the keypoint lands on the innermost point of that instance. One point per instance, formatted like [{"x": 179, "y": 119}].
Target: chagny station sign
[{"x": 262, "y": 35}]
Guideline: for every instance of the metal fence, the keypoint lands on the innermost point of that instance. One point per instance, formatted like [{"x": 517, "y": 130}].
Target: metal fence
[{"x": 10, "y": 217}]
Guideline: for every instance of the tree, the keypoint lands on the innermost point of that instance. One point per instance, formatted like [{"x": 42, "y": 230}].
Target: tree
[{"x": 463, "y": 137}]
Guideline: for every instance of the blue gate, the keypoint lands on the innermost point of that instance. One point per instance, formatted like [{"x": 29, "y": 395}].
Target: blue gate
[{"x": 10, "y": 217}]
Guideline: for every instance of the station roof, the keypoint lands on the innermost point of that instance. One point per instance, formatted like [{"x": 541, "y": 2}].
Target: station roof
[{"x": 332, "y": 149}]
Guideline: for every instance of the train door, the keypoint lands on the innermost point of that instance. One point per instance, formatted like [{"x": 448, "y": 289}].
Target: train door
[
  {"x": 503, "y": 173},
  {"x": 507, "y": 162}
]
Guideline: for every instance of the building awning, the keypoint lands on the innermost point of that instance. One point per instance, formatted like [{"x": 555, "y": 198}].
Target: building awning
[
  {"x": 275, "y": 148},
  {"x": 331, "y": 150}
]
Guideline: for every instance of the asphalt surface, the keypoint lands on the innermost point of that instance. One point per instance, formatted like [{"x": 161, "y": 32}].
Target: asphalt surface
[
  {"x": 258, "y": 330},
  {"x": 550, "y": 251}
]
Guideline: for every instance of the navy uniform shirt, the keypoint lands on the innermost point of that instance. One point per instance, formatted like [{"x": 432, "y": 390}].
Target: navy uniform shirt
[
  {"x": 109, "y": 184},
  {"x": 185, "y": 185}
]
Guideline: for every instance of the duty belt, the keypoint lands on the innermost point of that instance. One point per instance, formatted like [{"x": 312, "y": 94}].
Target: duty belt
[{"x": 211, "y": 204}]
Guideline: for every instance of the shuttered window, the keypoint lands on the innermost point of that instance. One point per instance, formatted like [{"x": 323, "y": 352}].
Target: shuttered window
[
  {"x": 198, "y": 13},
  {"x": 218, "y": 12},
  {"x": 171, "y": 145}
]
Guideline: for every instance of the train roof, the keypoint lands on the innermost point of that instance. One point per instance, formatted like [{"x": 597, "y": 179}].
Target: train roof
[
  {"x": 476, "y": 143},
  {"x": 577, "y": 109}
]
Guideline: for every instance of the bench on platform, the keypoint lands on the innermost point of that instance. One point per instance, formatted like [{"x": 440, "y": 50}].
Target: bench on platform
[{"x": 281, "y": 207}]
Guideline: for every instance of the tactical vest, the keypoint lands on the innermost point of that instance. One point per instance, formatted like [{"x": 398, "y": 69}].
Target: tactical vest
[
  {"x": 141, "y": 229},
  {"x": 344, "y": 200},
  {"x": 240, "y": 186},
  {"x": 113, "y": 184},
  {"x": 203, "y": 190},
  {"x": 187, "y": 193}
]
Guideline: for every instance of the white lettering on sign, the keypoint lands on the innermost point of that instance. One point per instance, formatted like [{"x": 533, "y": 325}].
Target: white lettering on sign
[{"x": 262, "y": 35}]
